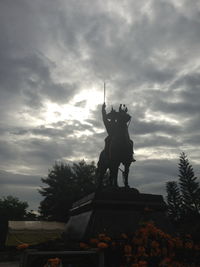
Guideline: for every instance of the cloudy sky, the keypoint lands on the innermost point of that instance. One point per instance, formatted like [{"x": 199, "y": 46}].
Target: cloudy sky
[{"x": 54, "y": 58}]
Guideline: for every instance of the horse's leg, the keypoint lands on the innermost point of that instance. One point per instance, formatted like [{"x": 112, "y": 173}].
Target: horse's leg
[
  {"x": 101, "y": 169},
  {"x": 100, "y": 175},
  {"x": 110, "y": 177},
  {"x": 125, "y": 174},
  {"x": 113, "y": 174}
]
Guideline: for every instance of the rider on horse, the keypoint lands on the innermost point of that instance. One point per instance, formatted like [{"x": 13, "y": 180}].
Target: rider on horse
[
  {"x": 118, "y": 146},
  {"x": 113, "y": 122}
]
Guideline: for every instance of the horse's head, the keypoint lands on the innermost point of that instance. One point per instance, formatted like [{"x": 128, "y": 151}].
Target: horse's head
[{"x": 123, "y": 116}]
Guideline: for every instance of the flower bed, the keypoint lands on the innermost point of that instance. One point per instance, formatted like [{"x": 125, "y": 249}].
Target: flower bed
[{"x": 148, "y": 246}]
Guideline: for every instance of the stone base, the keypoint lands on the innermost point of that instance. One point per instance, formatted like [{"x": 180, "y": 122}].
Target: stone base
[{"x": 115, "y": 211}]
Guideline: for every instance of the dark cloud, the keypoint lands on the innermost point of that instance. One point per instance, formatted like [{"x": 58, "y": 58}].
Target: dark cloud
[
  {"x": 155, "y": 141},
  {"x": 25, "y": 187},
  {"x": 183, "y": 109},
  {"x": 148, "y": 54},
  {"x": 81, "y": 103},
  {"x": 143, "y": 127},
  {"x": 8, "y": 178}
]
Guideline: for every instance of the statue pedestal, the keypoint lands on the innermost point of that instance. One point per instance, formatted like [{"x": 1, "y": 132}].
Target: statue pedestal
[{"x": 115, "y": 211}]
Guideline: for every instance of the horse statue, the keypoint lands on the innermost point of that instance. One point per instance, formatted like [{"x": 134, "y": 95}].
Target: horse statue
[{"x": 118, "y": 147}]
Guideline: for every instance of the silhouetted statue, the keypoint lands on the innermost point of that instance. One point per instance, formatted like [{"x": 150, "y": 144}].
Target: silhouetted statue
[{"x": 118, "y": 146}]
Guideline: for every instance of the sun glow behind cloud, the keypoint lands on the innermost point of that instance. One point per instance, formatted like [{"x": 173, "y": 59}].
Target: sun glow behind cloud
[{"x": 78, "y": 109}]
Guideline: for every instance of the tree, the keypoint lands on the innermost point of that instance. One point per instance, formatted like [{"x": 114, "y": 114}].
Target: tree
[
  {"x": 31, "y": 216},
  {"x": 65, "y": 184},
  {"x": 183, "y": 197},
  {"x": 84, "y": 178},
  {"x": 11, "y": 208},
  {"x": 189, "y": 186},
  {"x": 174, "y": 201}
]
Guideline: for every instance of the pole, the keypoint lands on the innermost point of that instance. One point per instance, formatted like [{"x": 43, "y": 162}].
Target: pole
[{"x": 104, "y": 92}]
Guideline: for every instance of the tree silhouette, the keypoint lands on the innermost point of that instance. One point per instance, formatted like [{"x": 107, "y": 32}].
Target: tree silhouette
[
  {"x": 84, "y": 178},
  {"x": 189, "y": 186},
  {"x": 174, "y": 201},
  {"x": 65, "y": 184},
  {"x": 11, "y": 208},
  {"x": 183, "y": 197}
]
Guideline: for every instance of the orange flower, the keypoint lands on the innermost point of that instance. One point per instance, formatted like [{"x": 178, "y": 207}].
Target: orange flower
[
  {"x": 137, "y": 241},
  {"x": 22, "y": 246},
  {"x": 134, "y": 265},
  {"x": 143, "y": 232},
  {"x": 83, "y": 245},
  {"x": 177, "y": 264},
  {"x": 154, "y": 244},
  {"x": 93, "y": 241},
  {"x": 127, "y": 250},
  {"x": 141, "y": 251},
  {"x": 101, "y": 236},
  {"x": 55, "y": 262},
  {"x": 147, "y": 209},
  {"x": 189, "y": 244},
  {"x": 124, "y": 236},
  {"x": 107, "y": 238},
  {"x": 164, "y": 251},
  {"x": 167, "y": 236},
  {"x": 188, "y": 236},
  {"x": 165, "y": 261},
  {"x": 104, "y": 237},
  {"x": 143, "y": 263},
  {"x": 196, "y": 247},
  {"x": 170, "y": 243},
  {"x": 160, "y": 233},
  {"x": 168, "y": 260},
  {"x": 113, "y": 244},
  {"x": 155, "y": 252},
  {"x": 102, "y": 245},
  {"x": 178, "y": 242}
]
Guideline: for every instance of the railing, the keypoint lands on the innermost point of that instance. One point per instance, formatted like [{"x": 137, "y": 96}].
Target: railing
[{"x": 34, "y": 258}]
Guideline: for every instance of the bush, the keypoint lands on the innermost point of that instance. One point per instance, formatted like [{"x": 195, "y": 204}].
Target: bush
[{"x": 148, "y": 246}]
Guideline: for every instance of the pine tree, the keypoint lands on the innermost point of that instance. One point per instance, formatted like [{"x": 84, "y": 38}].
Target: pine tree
[
  {"x": 174, "y": 201},
  {"x": 189, "y": 186}
]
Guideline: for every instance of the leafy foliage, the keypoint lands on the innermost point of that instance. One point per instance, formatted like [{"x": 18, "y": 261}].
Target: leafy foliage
[
  {"x": 65, "y": 184},
  {"x": 31, "y": 216},
  {"x": 148, "y": 246},
  {"x": 183, "y": 197},
  {"x": 84, "y": 178},
  {"x": 11, "y": 208},
  {"x": 189, "y": 186},
  {"x": 174, "y": 201}
]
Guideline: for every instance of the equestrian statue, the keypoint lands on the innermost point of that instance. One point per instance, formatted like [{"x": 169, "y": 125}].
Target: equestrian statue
[{"x": 118, "y": 146}]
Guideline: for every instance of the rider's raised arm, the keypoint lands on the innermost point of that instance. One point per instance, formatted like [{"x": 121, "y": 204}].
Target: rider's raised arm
[
  {"x": 104, "y": 113},
  {"x": 104, "y": 117}
]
